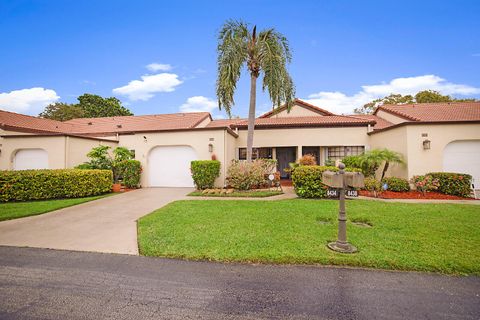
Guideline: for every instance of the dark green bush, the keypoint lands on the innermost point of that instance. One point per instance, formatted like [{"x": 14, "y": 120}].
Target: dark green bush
[
  {"x": 53, "y": 184},
  {"x": 204, "y": 173},
  {"x": 130, "y": 171},
  {"x": 456, "y": 184},
  {"x": 397, "y": 184},
  {"x": 307, "y": 181}
]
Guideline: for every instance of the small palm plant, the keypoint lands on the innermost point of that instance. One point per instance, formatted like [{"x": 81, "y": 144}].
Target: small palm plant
[
  {"x": 373, "y": 159},
  {"x": 264, "y": 53}
]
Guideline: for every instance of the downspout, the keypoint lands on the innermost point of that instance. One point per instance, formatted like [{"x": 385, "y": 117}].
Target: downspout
[{"x": 67, "y": 145}]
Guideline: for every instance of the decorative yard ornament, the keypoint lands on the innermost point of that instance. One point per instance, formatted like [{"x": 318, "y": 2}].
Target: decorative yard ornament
[{"x": 340, "y": 181}]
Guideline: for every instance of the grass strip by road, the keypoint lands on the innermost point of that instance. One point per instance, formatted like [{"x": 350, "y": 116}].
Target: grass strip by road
[
  {"x": 15, "y": 210},
  {"x": 238, "y": 194},
  {"x": 424, "y": 237}
]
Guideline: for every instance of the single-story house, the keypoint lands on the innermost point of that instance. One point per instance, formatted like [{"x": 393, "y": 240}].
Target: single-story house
[{"x": 431, "y": 137}]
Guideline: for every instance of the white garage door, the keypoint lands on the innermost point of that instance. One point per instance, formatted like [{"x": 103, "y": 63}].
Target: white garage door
[
  {"x": 463, "y": 157},
  {"x": 30, "y": 159},
  {"x": 170, "y": 166}
]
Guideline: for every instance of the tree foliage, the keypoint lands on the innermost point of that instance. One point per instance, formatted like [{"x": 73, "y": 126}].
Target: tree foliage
[
  {"x": 88, "y": 106},
  {"x": 266, "y": 53},
  {"x": 425, "y": 96}
]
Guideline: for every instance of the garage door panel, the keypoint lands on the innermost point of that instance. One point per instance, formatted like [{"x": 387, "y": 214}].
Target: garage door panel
[
  {"x": 26, "y": 159},
  {"x": 169, "y": 166},
  {"x": 463, "y": 157}
]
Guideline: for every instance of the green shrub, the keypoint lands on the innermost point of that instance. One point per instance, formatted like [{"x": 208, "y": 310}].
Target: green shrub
[
  {"x": 397, "y": 184},
  {"x": 130, "y": 171},
  {"x": 373, "y": 185},
  {"x": 307, "y": 181},
  {"x": 28, "y": 185},
  {"x": 456, "y": 184},
  {"x": 352, "y": 161},
  {"x": 204, "y": 173}
]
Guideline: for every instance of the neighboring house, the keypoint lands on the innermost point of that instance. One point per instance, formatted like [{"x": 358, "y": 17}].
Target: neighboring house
[{"x": 431, "y": 137}]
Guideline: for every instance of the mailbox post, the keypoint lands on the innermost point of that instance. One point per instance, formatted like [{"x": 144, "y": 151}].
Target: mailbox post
[{"x": 341, "y": 181}]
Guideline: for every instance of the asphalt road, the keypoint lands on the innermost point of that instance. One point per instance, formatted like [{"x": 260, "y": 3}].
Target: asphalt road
[{"x": 51, "y": 284}]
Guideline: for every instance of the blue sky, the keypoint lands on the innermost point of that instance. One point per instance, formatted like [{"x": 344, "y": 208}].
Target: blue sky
[{"x": 344, "y": 52}]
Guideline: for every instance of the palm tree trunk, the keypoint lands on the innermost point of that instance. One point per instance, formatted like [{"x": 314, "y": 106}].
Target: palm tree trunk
[
  {"x": 251, "y": 116},
  {"x": 385, "y": 168}
]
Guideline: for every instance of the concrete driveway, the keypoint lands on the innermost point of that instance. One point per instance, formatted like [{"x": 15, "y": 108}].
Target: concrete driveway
[{"x": 104, "y": 225}]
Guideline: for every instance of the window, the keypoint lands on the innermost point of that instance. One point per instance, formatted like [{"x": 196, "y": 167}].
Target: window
[
  {"x": 257, "y": 153},
  {"x": 338, "y": 153}
]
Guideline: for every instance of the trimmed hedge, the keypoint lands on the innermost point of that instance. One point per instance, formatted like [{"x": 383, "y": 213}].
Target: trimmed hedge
[
  {"x": 28, "y": 185},
  {"x": 130, "y": 171},
  {"x": 204, "y": 173},
  {"x": 456, "y": 184},
  {"x": 397, "y": 184},
  {"x": 307, "y": 180}
]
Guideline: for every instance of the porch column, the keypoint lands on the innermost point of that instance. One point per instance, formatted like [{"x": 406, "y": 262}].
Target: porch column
[{"x": 299, "y": 152}]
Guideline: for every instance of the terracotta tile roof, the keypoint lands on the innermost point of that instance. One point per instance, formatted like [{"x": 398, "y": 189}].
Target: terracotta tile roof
[
  {"x": 220, "y": 123},
  {"x": 111, "y": 125},
  {"x": 160, "y": 122},
  {"x": 302, "y": 103},
  {"x": 380, "y": 122},
  {"x": 19, "y": 122},
  {"x": 435, "y": 112},
  {"x": 289, "y": 122}
]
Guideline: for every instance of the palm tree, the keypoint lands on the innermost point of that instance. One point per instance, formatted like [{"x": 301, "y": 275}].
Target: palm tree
[
  {"x": 370, "y": 161},
  {"x": 267, "y": 53}
]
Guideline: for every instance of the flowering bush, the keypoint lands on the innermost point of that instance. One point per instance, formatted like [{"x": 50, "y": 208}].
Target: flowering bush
[
  {"x": 425, "y": 183},
  {"x": 243, "y": 175},
  {"x": 456, "y": 184},
  {"x": 307, "y": 160}
]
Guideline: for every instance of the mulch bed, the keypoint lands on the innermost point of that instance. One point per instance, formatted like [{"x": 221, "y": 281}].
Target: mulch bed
[{"x": 412, "y": 195}]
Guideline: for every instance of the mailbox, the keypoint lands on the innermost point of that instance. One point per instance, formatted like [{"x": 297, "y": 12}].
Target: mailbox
[
  {"x": 332, "y": 179},
  {"x": 354, "y": 179}
]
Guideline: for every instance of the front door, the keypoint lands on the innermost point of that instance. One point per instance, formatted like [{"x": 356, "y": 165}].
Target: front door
[{"x": 284, "y": 157}]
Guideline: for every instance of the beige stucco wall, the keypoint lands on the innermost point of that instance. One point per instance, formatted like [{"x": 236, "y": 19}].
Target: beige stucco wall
[
  {"x": 198, "y": 140},
  {"x": 299, "y": 137},
  {"x": 390, "y": 117},
  {"x": 408, "y": 140},
  {"x": 55, "y": 147},
  {"x": 393, "y": 139},
  {"x": 63, "y": 152},
  {"x": 77, "y": 149},
  {"x": 423, "y": 161}
]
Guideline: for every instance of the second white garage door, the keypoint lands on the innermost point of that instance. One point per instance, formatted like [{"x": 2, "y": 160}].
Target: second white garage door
[
  {"x": 463, "y": 157},
  {"x": 169, "y": 166}
]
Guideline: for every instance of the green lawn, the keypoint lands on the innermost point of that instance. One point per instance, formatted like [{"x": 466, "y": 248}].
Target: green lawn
[
  {"x": 238, "y": 194},
  {"x": 14, "y": 210},
  {"x": 425, "y": 237}
]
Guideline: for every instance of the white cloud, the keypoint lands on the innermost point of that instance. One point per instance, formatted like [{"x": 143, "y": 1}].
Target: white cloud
[
  {"x": 199, "y": 104},
  {"x": 149, "y": 85},
  {"x": 339, "y": 102},
  {"x": 155, "y": 67},
  {"x": 28, "y": 101}
]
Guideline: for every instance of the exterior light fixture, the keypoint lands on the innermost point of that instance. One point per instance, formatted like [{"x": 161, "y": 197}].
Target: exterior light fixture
[
  {"x": 210, "y": 147},
  {"x": 426, "y": 144}
]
